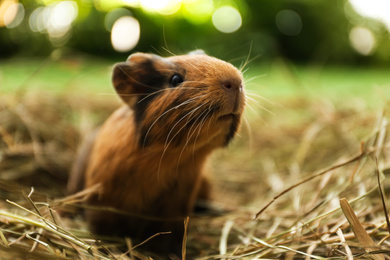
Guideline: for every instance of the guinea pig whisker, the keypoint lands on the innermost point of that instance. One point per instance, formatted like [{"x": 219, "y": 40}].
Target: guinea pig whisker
[
  {"x": 190, "y": 134},
  {"x": 247, "y": 80},
  {"x": 190, "y": 88},
  {"x": 166, "y": 145},
  {"x": 213, "y": 105},
  {"x": 169, "y": 110},
  {"x": 154, "y": 122},
  {"x": 260, "y": 106},
  {"x": 161, "y": 90},
  {"x": 208, "y": 127},
  {"x": 251, "y": 99},
  {"x": 121, "y": 95},
  {"x": 196, "y": 125},
  {"x": 201, "y": 125},
  {"x": 151, "y": 94},
  {"x": 257, "y": 103},
  {"x": 167, "y": 49},
  {"x": 250, "y": 94},
  {"x": 251, "y": 108},
  {"x": 181, "y": 119},
  {"x": 189, "y": 115},
  {"x": 244, "y": 71},
  {"x": 136, "y": 81},
  {"x": 248, "y": 60},
  {"x": 249, "y": 130},
  {"x": 196, "y": 68}
]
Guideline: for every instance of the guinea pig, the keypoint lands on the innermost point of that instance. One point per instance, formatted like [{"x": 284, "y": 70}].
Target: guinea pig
[{"x": 149, "y": 155}]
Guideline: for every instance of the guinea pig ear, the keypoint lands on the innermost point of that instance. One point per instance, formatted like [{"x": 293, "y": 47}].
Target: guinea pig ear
[
  {"x": 123, "y": 82},
  {"x": 137, "y": 77},
  {"x": 197, "y": 52}
]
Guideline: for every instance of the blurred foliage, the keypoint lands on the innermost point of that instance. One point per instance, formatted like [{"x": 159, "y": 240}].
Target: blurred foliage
[{"x": 324, "y": 36}]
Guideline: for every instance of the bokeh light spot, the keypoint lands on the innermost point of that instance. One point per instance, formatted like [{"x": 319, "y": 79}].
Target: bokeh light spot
[
  {"x": 133, "y": 3},
  {"x": 165, "y": 7},
  {"x": 113, "y": 16},
  {"x": 7, "y": 12},
  {"x": 125, "y": 34},
  {"x": 153, "y": 5},
  {"x": 108, "y": 5},
  {"x": 227, "y": 19},
  {"x": 288, "y": 22},
  {"x": 61, "y": 17},
  {"x": 56, "y": 20},
  {"x": 37, "y": 19},
  {"x": 14, "y": 15},
  {"x": 172, "y": 7},
  {"x": 198, "y": 11},
  {"x": 377, "y": 9},
  {"x": 362, "y": 40}
]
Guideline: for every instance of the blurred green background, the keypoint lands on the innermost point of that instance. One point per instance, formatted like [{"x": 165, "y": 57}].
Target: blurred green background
[
  {"x": 347, "y": 32},
  {"x": 316, "y": 73},
  {"x": 342, "y": 45}
]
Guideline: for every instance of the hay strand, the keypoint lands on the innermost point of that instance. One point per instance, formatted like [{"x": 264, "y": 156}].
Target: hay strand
[
  {"x": 313, "y": 155},
  {"x": 348, "y": 161},
  {"x": 184, "y": 246},
  {"x": 359, "y": 231},
  {"x": 383, "y": 199}
]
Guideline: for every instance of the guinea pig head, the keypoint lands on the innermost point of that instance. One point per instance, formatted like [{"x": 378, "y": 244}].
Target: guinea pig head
[{"x": 182, "y": 100}]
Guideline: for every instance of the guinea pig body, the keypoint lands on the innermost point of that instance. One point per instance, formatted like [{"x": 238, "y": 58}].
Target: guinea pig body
[{"x": 149, "y": 155}]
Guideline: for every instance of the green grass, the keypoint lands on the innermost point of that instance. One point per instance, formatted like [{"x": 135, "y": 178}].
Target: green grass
[
  {"x": 339, "y": 84},
  {"x": 274, "y": 81},
  {"x": 86, "y": 76}
]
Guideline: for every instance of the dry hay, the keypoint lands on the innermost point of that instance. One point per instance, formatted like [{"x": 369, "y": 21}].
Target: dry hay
[{"x": 280, "y": 185}]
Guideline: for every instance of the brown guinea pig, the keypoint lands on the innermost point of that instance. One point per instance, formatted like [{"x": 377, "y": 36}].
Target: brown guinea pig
[{"x": 149, "y": 155}]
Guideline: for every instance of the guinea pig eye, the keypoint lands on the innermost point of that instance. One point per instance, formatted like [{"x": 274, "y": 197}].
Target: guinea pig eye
[{"x": 176, "y": 80}]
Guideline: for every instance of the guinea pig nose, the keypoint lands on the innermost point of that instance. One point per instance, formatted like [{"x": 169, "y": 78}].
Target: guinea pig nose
[{"x": 229, "y": 85}]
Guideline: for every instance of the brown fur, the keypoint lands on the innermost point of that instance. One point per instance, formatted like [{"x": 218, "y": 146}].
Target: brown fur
[{"x": 149, "y": 154}]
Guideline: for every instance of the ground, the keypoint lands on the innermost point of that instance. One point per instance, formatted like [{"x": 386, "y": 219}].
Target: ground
[{"x": 311, "y": 136}]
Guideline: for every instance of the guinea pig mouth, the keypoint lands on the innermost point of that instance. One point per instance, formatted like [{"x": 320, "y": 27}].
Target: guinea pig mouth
[{"x": 227, "y": 117}]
